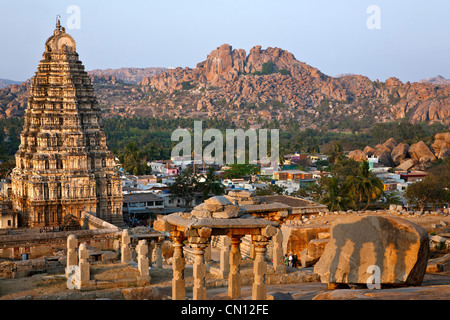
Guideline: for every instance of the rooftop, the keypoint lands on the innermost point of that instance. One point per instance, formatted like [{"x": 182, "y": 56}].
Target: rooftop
[
  {"x": 290, "y": 201},
  {"x": 140, "y": 197}
]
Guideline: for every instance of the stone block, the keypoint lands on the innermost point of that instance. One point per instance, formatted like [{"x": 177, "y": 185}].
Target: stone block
[
  {"x": 218, "y": 200},
  {"x": 398, "y": 247},
  {"x": 296, "y": 238},
  {"x": 230, "y": 211}
]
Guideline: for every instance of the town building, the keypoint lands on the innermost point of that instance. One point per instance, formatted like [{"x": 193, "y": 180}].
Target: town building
[{"x": 302, "y": 177}]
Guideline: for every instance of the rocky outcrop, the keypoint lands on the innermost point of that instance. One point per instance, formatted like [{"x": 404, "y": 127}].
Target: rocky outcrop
[
  {"x": 128, "y": 75},
  {"x": 399, "y": 153},
  {"x": 357, "y": 155},
  {"x": 230, "y": 84},
  {"x": 407, "y": 165},
  {"x": 405, "y": 157},
  {"x": 231, "y": 73},
  {"x": 296, "y": 238},
  {"x": 419, "y": 151},
  {"x": 14, "y": 99},
  {"x": 383, "y": 153},
  {"x": 397, "y": 247},
  {"x": 441, "y": 145},
  {"x": 369, "y": 151}
]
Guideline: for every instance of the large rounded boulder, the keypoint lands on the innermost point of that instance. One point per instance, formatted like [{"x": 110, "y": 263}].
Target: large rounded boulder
[{"x": 360, "y": 245}]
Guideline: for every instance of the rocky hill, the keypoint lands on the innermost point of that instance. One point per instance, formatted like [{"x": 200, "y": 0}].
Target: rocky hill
[
  {"x": 263, "y": 85},
  {"x": 5, "y": 83},
  {"x": 230, "y": 81},
  {"x": 128, "y": 75},
  {"x": 438, "y": 80}
]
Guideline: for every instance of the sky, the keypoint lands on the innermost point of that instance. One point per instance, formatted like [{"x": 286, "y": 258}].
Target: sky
[{"x": 409, "y": 40}]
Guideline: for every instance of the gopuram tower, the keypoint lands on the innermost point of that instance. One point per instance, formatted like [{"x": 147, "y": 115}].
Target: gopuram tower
[{"x": 63, "y": 166}]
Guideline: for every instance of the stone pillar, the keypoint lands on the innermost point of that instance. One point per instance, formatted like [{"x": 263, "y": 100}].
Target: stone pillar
[
  {"x": 72, "y": 256},
  {"x": 199, "y": 289},
  {"x": 199, "y": 243},
  {"x": 234, "y": 278},
  {"x": 208, "y": 252},
  {"x": 126, "y": 247},
  {"x": 178, "y": 265},
  {"x": 225, "y": 256},
  {"x": 158, "y": 250},
  {"x": 278, "y": 259},
  {"x": 252, "y": 248},
  {"x": 150, "y": 253},
  {"x": 142, "y": 259},
  {"x": 84, "y": 265},
  {"x": 259, "y": 288}
]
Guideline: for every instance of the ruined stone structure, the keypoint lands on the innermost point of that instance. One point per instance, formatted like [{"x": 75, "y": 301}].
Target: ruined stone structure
[
  {"x": 63, "y": 166},
  {"x": 217, "y": 217}
]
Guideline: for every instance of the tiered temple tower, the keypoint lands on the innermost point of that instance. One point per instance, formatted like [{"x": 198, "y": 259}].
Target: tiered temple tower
[{"x": 63, "y": 165}]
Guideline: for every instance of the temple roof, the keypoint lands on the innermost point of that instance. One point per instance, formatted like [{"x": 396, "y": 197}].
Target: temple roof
[{"x": 60, "y": 40}]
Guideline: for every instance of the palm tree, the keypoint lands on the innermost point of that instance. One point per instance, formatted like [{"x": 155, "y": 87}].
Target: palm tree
[
  {"x": 299, "y": 145},
  {"x": 366, "y": 187},
  {"x": 211, "y": 184},
  {"x": 336, "y": 154},
  {"x": 337, "y": 198}
]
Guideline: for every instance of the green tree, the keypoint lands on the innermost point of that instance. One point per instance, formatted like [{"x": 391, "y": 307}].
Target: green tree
[
  {"x": 272, "y": 189},
  {"x": 336, "y": 154},
  {"x": 337, "y": 197},
  {"x": 268, "y": 67},
  {"x": 134, "y": 160},
  {"x": 237, "y": 171},
  {"x": 433, "y": 190},
  {"x": 184, "y": 187},
  {"x": 211, "y": 184},
  {"x": 391, "y": 198},
  {"x": 321, "y": 164},
  {"x": 365, "y": 186}
]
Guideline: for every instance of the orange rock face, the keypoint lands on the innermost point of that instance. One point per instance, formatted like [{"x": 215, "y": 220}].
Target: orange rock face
[{"x": 392, "y": 249}]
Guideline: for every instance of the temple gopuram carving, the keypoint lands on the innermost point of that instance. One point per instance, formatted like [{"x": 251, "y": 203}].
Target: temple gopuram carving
[{"x": 63, "y": 166}]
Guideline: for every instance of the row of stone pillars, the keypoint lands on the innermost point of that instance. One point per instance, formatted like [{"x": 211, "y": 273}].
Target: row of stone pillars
[
  {"x": 81, "y": 259},
  {"x": 232, "y": 268},
  {"x": 126, "y": 250}
]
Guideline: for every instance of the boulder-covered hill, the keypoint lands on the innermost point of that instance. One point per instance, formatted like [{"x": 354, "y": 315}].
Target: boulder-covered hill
[
  {"x": 265, "y": 84},
  {"x": 5, "y": 83},
  {"x": 128, "y": 75},
  {"x": 109, "y": 84},
  {"x": 232, "y": 83}
]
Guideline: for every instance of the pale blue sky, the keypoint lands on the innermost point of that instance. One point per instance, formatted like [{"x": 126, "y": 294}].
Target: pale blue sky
[{"x": 331, "y": 35}]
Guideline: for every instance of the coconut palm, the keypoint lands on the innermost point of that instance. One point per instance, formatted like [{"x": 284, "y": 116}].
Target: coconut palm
[
  {"x": 212, "y": 184},
  {"x": 336, "y": 197},
  {"x": 336, "y": 154},
  {"x": 365, "y": 186}
]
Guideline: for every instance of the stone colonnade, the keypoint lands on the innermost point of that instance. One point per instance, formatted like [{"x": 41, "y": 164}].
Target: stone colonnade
[
  {"x": 230, "y": 262},
  {"x": 77, "y": 262},
  {"x": 126, "y": 250}
]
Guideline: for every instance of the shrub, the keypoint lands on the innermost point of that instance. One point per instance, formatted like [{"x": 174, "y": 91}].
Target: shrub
[
  {"x": 284, "y": 72},
  {"x": 186, "y": 85}
]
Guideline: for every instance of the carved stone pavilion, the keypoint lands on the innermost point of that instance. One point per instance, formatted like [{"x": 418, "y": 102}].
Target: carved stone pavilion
[
  {"x": 63, "y": 166},
  {"x": 218, "y": 216}
]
